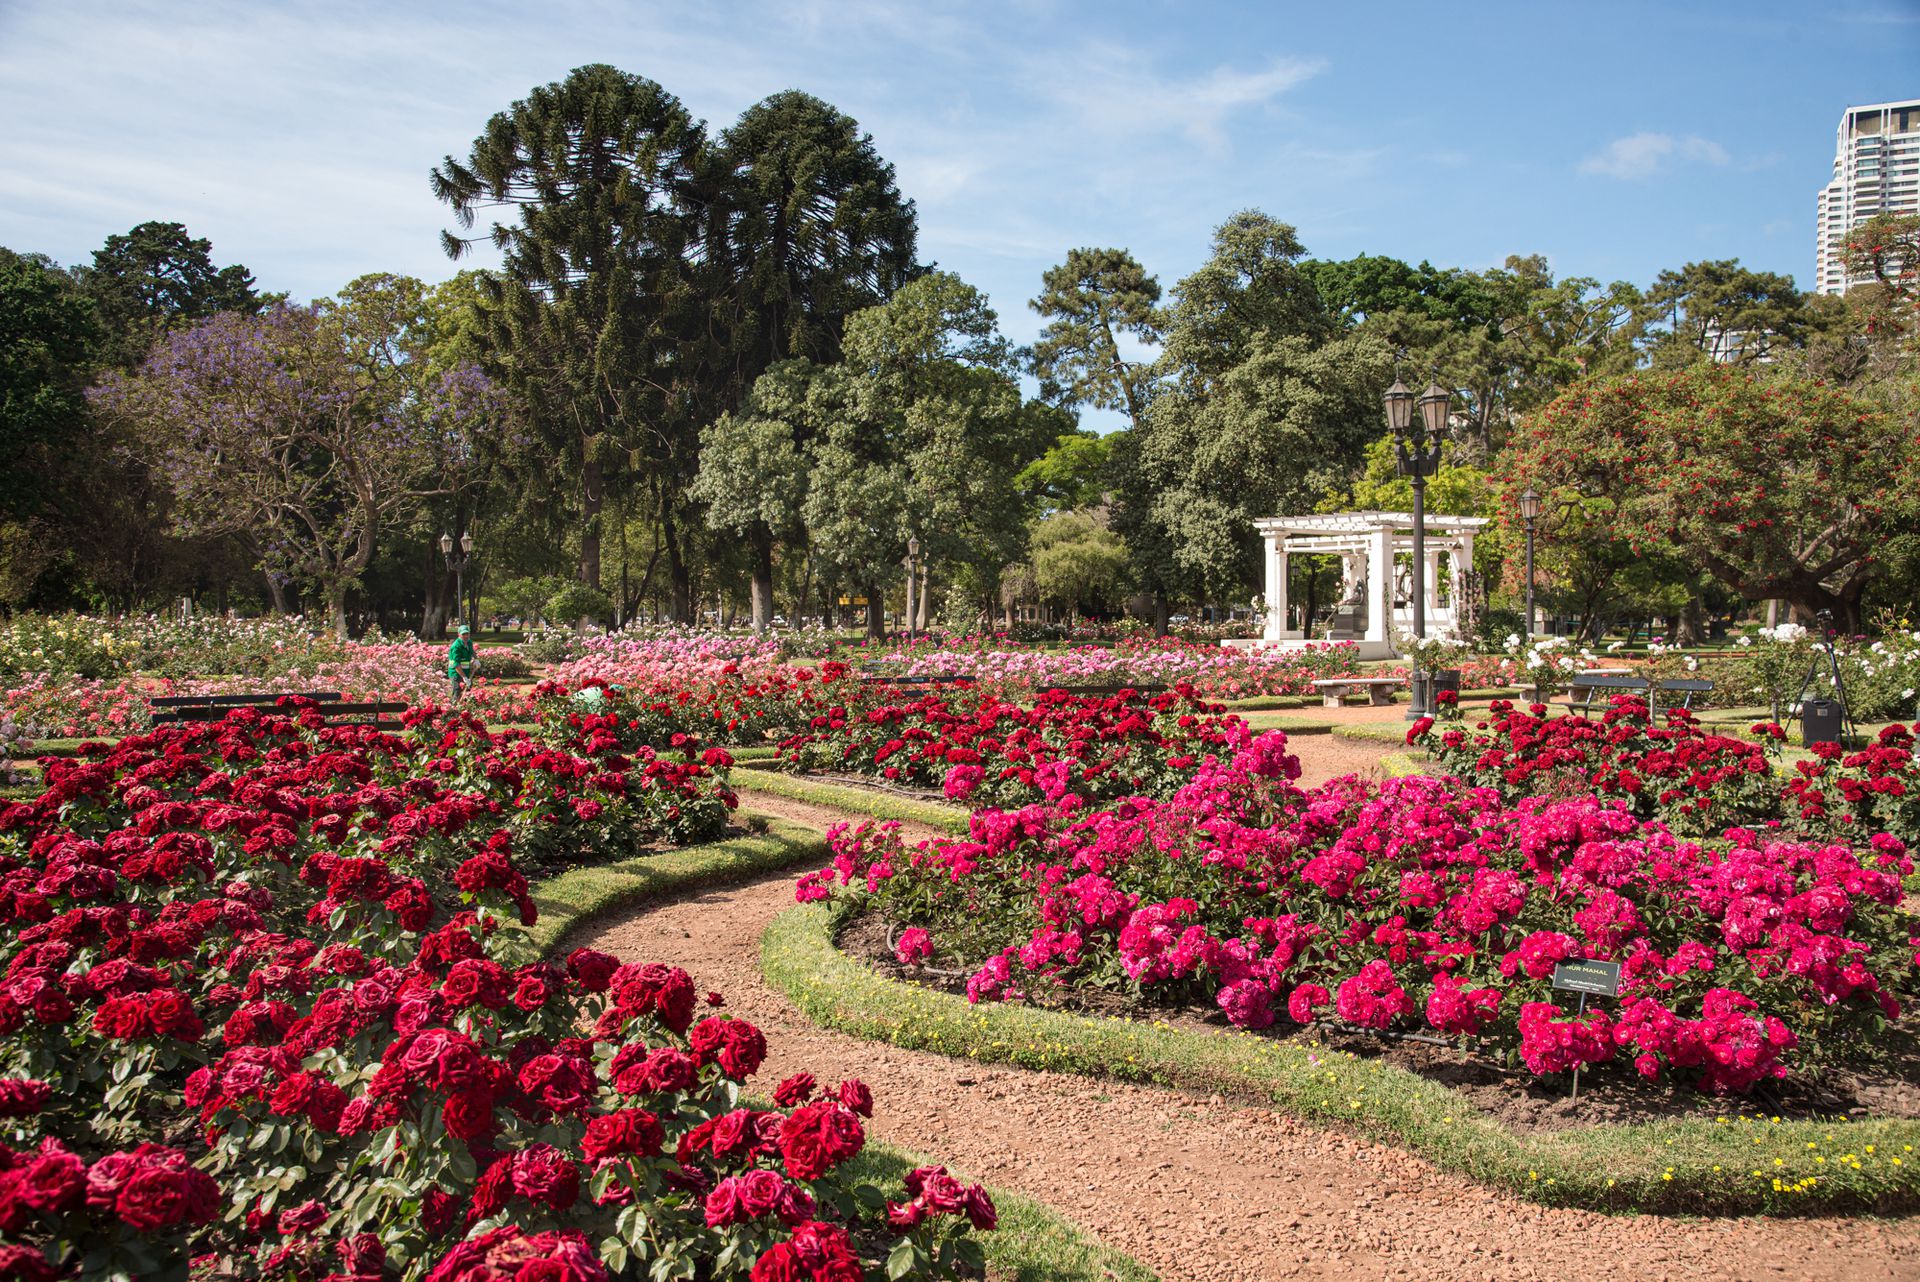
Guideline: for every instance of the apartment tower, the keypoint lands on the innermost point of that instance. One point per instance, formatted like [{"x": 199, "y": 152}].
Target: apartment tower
[{"x": 1876, "y": 170}]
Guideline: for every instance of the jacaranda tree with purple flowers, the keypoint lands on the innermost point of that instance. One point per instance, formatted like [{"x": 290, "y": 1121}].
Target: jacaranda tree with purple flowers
[{"x": 303, "y": 430}]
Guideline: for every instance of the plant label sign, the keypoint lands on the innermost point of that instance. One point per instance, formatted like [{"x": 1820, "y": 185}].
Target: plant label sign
[{"x": 1597, "y": 978}]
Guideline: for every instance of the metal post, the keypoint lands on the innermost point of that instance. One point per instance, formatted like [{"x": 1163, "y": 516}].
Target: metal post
[
  {"x": 1531, "y": 630},
  {"x": 1580, "y": 1014}
]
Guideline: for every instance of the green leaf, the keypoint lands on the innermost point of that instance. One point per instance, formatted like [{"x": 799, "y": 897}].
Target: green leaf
[{"x": 902, "y": 1259}]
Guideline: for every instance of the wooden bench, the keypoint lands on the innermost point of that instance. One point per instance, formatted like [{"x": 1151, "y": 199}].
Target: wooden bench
[
  {"x": 1585, "y": 685},
  {"x": 1334, "y": 691},
  {"x": 914, "y": 685},
  {"x": 1103, "y": 690},
  {"x": 177, "y": 708}
]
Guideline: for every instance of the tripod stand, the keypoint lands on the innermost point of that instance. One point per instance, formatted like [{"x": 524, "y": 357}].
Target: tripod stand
[{"x": 1825, "y": 651}]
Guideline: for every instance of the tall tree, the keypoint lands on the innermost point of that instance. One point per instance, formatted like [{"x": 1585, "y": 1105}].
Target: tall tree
[
  {"x": 294, "y": 430},
  {"x": 1722, "y": 311},
  {"x": 156, "y": 280},
  {"x": 1091, "y": 302},
  {"x": 47, "y": 337},
  {"x": 592, "y": 314},
  {"x": 807, "y": 227},
  {"x": 1261, "y": 405},
  {"x": 928, "y": 436},
  {"x": 1779, "y": 486}
]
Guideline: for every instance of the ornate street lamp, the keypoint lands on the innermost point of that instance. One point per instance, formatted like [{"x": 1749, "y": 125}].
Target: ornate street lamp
[
  {"x": 1416, "y": 454},
  {"x": 458, "y": 564},
  {"x": 1530, "y": 512}
]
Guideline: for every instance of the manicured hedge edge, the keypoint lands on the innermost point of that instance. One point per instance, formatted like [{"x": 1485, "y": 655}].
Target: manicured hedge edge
[
  {"x": 1266, "y": 703},
  {"x": 858, "y": 802},
  {"x": 581, "y": 896},
  {"x": 1031, "y": 1240},
  {"x": 1374, "y": 731},
  {"x": 1260, "y": 721},
  {"x": 1697, "y": 1167}
]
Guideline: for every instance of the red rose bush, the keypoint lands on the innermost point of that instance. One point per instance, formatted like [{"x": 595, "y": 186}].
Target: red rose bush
[{"x": 268, "y": 1006}]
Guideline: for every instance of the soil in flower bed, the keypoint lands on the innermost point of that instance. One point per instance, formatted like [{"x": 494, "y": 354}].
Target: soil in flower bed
[{"x": 1521, "y": 1101}]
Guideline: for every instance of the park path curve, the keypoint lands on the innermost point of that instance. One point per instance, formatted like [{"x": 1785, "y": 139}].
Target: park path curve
[{"x": 1202, "y": 1190}]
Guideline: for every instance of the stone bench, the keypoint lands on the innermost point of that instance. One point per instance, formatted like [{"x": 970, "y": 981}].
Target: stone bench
[{"x": 1334, "y": 691}]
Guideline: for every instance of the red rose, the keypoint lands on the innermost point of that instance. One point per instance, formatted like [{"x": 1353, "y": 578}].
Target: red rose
[
  {"x": 55, "y": 1181},
  {"x": 23, "y": 1096},
  {"x": 561, "y": 1082},
  {"x": 855, "y": 1095},
  {"x": 794, "y": 1090},
  {"x": 628, "y": 1131},
  {"x": 164, "y": 1194},
  {"x": 543, "y": 1174},
  {"x": 469, "y": 1116},
  {"x": 592, "y": 970},
  {"x": 301, "y": 1219}
]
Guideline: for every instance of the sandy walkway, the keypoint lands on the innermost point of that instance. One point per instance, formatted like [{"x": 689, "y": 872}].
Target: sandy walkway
[{"x": 1198, "y": 1189}]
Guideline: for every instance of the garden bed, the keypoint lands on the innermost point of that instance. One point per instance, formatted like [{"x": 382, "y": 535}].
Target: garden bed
[{"x": 1518, "y": 1101}]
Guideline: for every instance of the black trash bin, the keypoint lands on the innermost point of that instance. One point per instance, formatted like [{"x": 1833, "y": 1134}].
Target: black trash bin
[
  {"x": 1820, "y": 721},
  {"x": 1443, "y": 680}
]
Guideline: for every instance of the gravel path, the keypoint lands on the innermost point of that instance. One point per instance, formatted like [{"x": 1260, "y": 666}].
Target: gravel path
[{"x": 1200, "y": 1189}]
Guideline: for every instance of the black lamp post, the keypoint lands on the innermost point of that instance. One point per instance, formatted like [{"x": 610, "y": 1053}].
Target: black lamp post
[
  {"x": 458, "y": 564},
  {"x": 1529, "y": 512},
  {"x": 1416, "y": 454}
]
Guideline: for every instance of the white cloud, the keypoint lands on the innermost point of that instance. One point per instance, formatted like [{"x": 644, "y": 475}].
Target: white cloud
[{"x": 1643, "y": 155}]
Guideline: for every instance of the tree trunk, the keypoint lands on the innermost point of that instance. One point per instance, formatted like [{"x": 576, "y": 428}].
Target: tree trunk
[
  {"x": 679, "y": 575},
  {"x": 925, "y": 614},
  {"x": 762, "y": 581},
  {"x": 1160, "y": 623},
  {"x": 593, "y": 497},
  {"x": 276, "y": 592},
  {"x": 1692, "y": 623},
  {"x": 876, "y": 616},
  {"x": 337, "y": 609}
]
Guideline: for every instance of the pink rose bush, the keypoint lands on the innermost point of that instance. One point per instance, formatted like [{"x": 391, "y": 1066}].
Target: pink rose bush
[
  {"x": 1419, "y": 903},
  {"x": 267, "y": 1005}
]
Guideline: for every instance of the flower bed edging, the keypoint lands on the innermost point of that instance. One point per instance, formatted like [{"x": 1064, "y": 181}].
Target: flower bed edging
[
  {"x": 1695, "y": 1167},
  {"x": 860, "y": 803},
  {"x": 580, "y": 896}
]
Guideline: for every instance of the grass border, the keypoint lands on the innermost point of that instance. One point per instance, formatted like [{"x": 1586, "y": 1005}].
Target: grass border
[
  {"x": 1033, "y": 1242},
  {"x": 856, "y": 801},
  {"x": 1680, "y": 1167},
  {"x": 579, "y": 897},
  {"x": 1374, "y": 731}
]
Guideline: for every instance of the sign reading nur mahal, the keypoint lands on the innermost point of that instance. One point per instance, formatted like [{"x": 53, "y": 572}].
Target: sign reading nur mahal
[{"x": 1376, "y": 575}]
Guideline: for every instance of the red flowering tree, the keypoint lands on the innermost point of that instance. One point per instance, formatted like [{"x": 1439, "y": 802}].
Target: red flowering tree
[{"x": 1777, "y": 486}]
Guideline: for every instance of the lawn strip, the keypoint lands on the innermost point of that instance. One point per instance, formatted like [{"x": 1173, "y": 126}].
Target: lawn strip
[
  {"x": 580, "y": 896},
  {"x": 858, "y": 802}
]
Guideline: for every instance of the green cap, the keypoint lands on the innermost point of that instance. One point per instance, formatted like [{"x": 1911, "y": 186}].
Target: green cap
[{"x": 464, "y": 629}]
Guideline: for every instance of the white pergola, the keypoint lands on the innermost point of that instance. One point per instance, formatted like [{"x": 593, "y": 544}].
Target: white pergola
[{"x": 1376, "y": 570}]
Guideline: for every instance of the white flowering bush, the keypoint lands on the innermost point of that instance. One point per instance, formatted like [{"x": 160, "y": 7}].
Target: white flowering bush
[{"x": 1548, "y": 664}]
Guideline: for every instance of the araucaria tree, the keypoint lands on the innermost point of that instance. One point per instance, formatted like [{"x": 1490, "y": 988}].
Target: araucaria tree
[
  {"x": 1781, "y": 487},
  {"x": 807, "y": 227},
  {"x": 300, "y": 430},
  {"x": 593, "y": 321}
]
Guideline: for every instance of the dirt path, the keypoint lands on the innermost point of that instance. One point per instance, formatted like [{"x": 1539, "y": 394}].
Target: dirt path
[{"x": 1197, "y": 1189}]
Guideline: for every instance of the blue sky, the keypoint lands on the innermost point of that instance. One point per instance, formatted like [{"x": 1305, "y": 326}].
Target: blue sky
[{"x": 1617, "y": 138}]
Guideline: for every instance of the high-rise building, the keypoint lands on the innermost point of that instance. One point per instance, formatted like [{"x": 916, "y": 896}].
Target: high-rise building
[{"x": 1876, "y": 170}]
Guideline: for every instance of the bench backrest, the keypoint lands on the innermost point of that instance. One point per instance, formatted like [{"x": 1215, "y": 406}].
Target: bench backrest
[
  {"x": 1606, "y": 681},
  {"x": 174, "y": 709}
]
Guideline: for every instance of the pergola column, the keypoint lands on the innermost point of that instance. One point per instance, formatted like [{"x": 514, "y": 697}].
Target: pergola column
[
  {"x": 1276, "y": 561},
  {"x": 1380, "y": 585}
]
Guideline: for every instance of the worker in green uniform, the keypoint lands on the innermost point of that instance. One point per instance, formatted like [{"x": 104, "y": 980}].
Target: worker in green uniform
[{"x": 460, "y": 662}]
